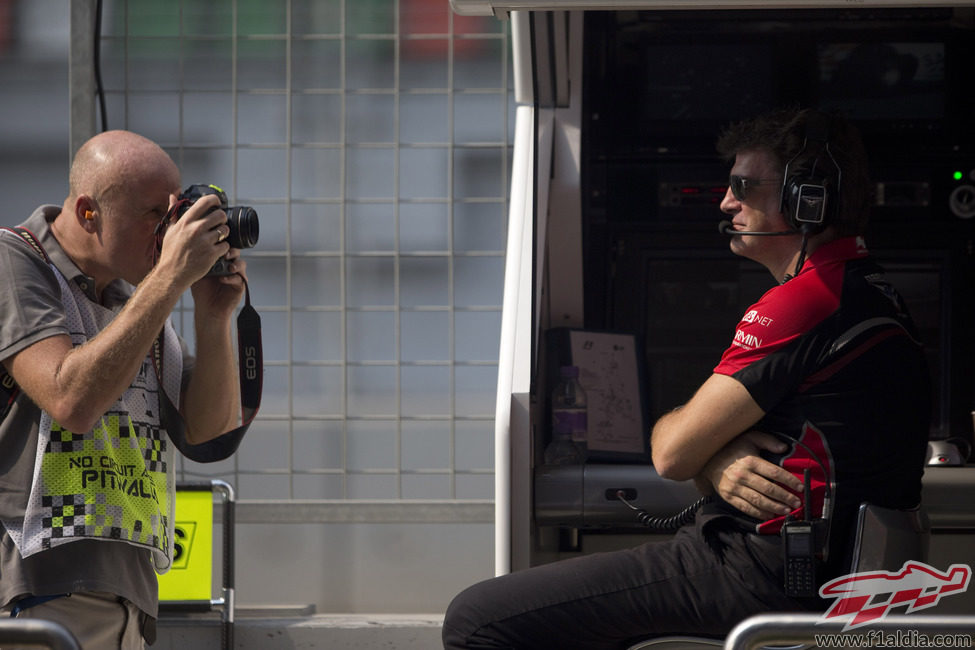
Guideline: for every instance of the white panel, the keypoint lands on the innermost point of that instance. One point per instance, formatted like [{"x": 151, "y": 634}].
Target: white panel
[{"x": 514, "y": 358}]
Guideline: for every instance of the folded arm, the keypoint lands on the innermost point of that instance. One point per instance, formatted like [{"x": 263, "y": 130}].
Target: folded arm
[
  {"x": 684, "y": 440},
  {"x": 709, "y": 440}
]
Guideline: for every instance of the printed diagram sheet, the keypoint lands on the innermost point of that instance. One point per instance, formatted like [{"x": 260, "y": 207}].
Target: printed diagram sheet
[{"x": 609, "y": 374}]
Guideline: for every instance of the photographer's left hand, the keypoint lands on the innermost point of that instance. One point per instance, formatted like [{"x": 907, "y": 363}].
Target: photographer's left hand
[{"x": 218, "y": 296}]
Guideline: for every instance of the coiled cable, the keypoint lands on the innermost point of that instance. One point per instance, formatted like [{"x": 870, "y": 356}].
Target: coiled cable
[{"x": 673, "y": 522}]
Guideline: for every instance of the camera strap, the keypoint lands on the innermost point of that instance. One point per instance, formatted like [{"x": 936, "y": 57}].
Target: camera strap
[{"x": 250, "y": 357}]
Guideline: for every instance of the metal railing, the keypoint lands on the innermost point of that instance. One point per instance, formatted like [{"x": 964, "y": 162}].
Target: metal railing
[
  {"x": 226, "y": 603},
  {"x": 46, "y": 633}
]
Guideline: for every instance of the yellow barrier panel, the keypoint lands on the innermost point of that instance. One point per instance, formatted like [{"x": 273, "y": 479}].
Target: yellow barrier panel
[{"x": 192, "y": 571}]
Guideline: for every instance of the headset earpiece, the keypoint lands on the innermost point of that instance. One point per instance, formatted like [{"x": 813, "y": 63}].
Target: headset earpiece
[
  {"x": 808, "y": 202},
  {"x": 811, "y": 180}
]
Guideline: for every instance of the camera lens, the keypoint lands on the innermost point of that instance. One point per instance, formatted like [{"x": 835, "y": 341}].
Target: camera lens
[{"x": 244, "y": 228}]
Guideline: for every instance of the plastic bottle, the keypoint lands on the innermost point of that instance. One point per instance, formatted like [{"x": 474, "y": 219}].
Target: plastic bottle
[{"x": 569, "y": 420}]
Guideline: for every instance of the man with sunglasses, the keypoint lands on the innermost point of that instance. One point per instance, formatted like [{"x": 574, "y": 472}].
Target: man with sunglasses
[
  {"x": 88, "y": 353},
  {"x": 819, "y": 402}
]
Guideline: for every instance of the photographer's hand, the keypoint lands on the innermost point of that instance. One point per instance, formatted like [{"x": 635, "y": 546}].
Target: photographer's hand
[
  {"x": 219, "y": 295},
  {"x": 194, "y": 242},
  {"x": 211, "y": 401}
]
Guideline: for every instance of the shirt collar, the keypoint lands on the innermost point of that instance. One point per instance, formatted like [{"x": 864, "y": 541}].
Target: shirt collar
[
  {"x": 39, "y": 223},
  {"x": 837, "y": 250}
]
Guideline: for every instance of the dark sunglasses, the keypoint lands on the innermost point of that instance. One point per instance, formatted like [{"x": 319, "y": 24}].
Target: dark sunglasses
[{"x": 740, "y": 184}]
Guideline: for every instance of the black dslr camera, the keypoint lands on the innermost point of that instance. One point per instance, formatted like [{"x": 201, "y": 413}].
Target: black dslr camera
[{"x": 241, "y": 219}]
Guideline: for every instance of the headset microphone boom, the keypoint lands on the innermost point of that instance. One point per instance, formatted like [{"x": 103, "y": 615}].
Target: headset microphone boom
[{"x": 726, "y": 228}]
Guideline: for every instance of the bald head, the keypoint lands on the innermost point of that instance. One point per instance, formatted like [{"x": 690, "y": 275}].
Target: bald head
[
  {"x": 113, "y": 163},
  {"x": 120, "y": 186}
]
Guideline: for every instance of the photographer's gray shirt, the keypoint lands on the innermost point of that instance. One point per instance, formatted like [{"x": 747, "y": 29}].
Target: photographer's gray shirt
[{"x": 31, "y": 310}]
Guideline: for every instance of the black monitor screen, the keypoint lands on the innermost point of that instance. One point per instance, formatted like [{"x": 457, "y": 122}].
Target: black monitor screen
[
  {"x": 707, "y": 81},
  {"x": 883, "y": 80}
]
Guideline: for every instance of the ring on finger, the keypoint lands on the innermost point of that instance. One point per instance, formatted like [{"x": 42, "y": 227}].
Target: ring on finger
[{"x": 221, "y": 235}]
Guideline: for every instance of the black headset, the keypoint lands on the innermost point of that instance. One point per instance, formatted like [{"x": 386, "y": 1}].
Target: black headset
[{"x": 811, "y": 180}]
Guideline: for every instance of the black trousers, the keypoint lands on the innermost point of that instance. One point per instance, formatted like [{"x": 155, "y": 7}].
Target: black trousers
[{"x": 693, "y": 583}]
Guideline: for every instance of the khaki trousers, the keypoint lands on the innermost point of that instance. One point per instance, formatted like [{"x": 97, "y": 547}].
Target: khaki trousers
[{"x": 99, "y": 621}]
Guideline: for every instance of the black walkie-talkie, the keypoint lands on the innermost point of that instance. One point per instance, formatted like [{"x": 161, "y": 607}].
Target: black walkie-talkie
[{"x": 799, "y": 545}]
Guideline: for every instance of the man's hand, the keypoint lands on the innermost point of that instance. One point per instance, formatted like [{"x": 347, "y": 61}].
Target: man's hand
[
  {"x": 749, "y": 482},
  {"x": 194, "y": 242},
  {"x": 217, "y": 296}
]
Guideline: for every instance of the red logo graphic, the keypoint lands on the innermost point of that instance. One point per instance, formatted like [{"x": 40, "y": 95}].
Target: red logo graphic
[{"x": 869, "y": 596}]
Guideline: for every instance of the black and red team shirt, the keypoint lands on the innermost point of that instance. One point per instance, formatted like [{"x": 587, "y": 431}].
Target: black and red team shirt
[{"x": 834, "y": 360}]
